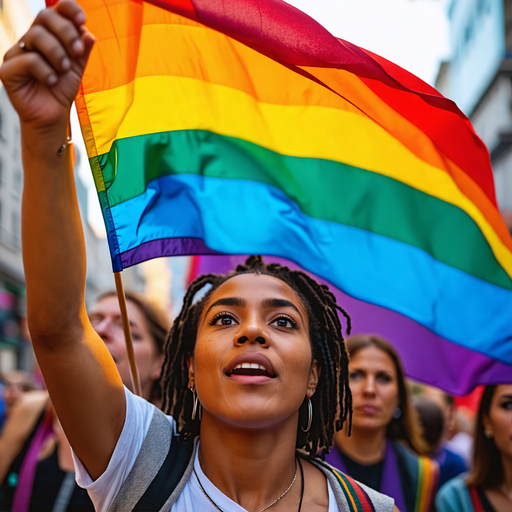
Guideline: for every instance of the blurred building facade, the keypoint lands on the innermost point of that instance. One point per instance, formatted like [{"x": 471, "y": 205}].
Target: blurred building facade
[
  {"x": 15, "y": 18},
  {"x": 479, "y": 79}
]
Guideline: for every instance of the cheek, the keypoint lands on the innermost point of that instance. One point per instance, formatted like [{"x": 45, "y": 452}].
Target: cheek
[
  {"x": 501, "y": 422},
  {"x": 208, "y": 356},
  {"x": 143, "y": 352},
  {"x": 357, "y": 388},
  {"x": 390, "y": 397}
]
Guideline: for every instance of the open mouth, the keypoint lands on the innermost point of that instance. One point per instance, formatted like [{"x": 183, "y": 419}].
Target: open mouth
[{"x": 251, "y": 370}]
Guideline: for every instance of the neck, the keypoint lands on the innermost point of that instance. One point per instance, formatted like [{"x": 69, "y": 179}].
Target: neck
[
  {"x": 363, "y": 446},
  {"x": 251, "y": 467}
]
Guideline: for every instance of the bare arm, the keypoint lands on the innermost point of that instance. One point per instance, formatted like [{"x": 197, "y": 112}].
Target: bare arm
[
  {"x": 18, "y": 427},
  {"x": 81, "y": 376}
]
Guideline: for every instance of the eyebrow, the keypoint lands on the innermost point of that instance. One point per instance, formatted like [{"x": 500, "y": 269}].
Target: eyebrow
[
  {"x": 229, "y": 301},
  {"x": 506, "y": 397},
  {"x": 270, "y": 303},
  {"x": 117, "y": 317},
  {"x": 280, "y": 303}
]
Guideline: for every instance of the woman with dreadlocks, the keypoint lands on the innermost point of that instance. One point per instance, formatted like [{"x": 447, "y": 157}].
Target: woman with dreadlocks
[{"x": 256, "y": 369}]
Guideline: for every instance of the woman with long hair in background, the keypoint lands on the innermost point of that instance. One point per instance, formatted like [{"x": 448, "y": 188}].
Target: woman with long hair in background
[
  {"x": 386, "y": 448},
  {"x": 488, "y": 487}
]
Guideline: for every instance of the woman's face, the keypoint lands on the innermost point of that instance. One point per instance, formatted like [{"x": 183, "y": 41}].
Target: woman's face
[
  {"x": 374, "y": 386},
  {"x": 105, "y": 317},
  {"x": 252, "y": 366},
  {"x": 499, "y": 420}
]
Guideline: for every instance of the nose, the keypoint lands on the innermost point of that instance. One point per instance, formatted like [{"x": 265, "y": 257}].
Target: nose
[
  {"x": 369, "y": 386},
  {"x": 251, "y": 332},
  {"x": 104, "y": 329}
]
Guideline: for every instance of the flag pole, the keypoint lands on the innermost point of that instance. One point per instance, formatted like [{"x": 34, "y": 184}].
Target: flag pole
[{"x": 121, "y": 297}]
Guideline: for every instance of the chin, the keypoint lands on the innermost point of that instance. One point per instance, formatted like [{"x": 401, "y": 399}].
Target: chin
[
  {"x": 251, "y": 417},
  {"x": 367, "y": 424}
]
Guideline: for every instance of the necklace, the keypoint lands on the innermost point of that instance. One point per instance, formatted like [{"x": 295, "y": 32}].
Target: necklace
[{"x": 274, "y": 502}]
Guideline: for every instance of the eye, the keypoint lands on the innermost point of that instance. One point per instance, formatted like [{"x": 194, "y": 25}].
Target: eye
[
  {"x": 355, "y": 375},
  {"x": 284, "y": 322},
  {"x": 384, "y": 377},
  {"x": 223, "y": 319},
  {"x": 507, "y": 405},
  {"x": 94, "y": 320}
]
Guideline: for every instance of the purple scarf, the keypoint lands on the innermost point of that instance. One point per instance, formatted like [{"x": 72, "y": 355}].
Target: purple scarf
[
  {"x": 23, "y": 492},
  {"x": 390, "y": 482}
]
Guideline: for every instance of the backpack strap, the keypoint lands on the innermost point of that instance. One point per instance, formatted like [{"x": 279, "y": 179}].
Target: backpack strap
[
  {"x": 160, "y": 469},
  {"x": 352, "y": 496}
]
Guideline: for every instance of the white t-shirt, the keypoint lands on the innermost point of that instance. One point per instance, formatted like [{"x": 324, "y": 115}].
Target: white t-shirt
[{"x": 104, "y": 490}]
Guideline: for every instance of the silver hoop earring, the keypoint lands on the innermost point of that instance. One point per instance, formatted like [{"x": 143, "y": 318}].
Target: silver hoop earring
[
  {"x": 310, "y": 416},
  {"x": 197, "y": 405}
]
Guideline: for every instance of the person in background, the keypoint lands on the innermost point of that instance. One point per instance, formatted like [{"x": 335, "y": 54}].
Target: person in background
[
  {"x": 36, "y": 466},
  {"x": 461, "y": 442},
  {"x": 455, "y": 439},
  {"x": 14, "y": 385},
  {"x": 488, "y": 487},
  {"x": 432, "y": 422},
  {"x": 386, "y": 449},
  {"x": 434, "y": 430},
  {"x": 149, "y": 325}
]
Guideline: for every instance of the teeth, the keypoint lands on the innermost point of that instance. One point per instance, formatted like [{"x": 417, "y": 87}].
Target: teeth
[{"x": 252, "y": 366}]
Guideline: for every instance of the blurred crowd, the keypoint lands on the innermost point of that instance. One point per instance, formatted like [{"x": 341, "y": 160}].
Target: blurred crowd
[{"x": 425, "y": 448}]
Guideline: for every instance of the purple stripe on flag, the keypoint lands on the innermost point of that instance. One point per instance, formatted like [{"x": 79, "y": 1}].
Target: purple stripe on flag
[
  {"x": 164, "y": 247},
  {"x": 427, "y": 357}
]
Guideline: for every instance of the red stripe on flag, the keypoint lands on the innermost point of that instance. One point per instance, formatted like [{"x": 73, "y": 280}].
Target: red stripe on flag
[
  {"x": 181, "y": 7},
  {"x": 292, "y": 38}
]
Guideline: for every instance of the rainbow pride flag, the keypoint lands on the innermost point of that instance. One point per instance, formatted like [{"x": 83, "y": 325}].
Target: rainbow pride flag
[{"x": 244, "y": 127}]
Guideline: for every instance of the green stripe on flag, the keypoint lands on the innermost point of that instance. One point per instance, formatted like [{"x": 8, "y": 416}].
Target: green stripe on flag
[{"x": 321, "y": 188}]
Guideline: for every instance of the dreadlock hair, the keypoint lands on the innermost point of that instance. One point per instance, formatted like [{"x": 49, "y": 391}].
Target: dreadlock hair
[{"x": 332, "y": 401}]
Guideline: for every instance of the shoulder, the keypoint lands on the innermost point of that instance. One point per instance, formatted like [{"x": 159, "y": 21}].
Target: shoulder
[
  {"x": 352, "y": 495},
  {"x": 417, "y": 465},
  {"x": 454, "y": 497},
  {"x": 419, "y": 478},
  {"x": 454, "y": 459},
  {"x": 104, "y": 490}
]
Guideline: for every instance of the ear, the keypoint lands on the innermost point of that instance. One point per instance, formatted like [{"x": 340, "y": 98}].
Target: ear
[
  {"x": 486, "y": 422},
  {"x": 314, "y": 375},
  {"x": 191, "y": 375}
]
